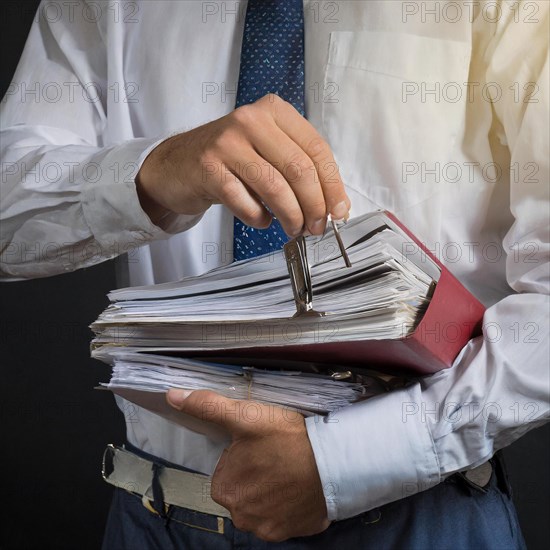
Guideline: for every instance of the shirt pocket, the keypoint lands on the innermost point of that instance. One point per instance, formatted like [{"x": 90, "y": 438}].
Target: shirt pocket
[{"x": 398, "y": 110}]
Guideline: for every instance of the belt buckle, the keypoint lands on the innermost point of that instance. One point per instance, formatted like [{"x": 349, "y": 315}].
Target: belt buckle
[
  {"x": 107, "y": 460},
  {"x": 107, "y": 467}
]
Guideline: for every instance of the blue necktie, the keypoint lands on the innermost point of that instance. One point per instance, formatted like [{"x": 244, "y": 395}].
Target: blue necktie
[{"x": 272, "y": 61}]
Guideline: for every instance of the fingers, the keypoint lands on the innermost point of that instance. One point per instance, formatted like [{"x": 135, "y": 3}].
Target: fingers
[
  {"x": 297, "y": 172},
  {"x": 262, "y": 179},
  {"x": 294, "y": 155},
  {"x": 299, "y": 130},
  {"x": 208, "y": 406},
  {"x": 226, "y": 187}
]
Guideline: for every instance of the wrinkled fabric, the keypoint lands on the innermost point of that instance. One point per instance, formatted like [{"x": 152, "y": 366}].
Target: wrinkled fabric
[{"x": 441, "y": 120}]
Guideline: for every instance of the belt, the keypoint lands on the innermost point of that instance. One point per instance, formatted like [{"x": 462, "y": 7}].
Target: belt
[{"x": 133, "y": 473}]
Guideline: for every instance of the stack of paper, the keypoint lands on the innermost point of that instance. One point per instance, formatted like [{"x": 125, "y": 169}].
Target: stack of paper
[
  {"x": 305, "y": 392},
  {"x": 250, "y": 303},
  {"x": 233, "y": 330}
]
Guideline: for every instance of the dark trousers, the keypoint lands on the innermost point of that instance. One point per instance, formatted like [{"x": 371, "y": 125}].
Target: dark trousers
[{"x": 455, "y": 515}]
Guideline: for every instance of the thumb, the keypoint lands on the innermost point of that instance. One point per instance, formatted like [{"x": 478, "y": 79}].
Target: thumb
[
  {"x": 176, "y": 397},
  {"x": 207, "y": 405}
]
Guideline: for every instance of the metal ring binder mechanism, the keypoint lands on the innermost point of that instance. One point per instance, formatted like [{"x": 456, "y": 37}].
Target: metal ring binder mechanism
[{"x": 298, "y": 267}]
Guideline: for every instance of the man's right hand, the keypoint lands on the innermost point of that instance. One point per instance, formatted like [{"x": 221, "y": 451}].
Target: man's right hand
[{"x": 262, "y": 154}]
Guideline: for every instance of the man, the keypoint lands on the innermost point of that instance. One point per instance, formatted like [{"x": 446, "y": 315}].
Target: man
[{"x": 438, "y": 116}]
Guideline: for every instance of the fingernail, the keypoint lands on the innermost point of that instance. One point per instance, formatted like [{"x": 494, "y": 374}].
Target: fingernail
[
  {"x": 340, "y": 211},
  {"x": 318, "y": 226},
  {"x": 176, "y": 397},
  {"x": 341, "y": 220}
]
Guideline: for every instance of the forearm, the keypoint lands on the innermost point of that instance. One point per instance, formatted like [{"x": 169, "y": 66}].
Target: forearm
[{"x": 401, "y": 443}]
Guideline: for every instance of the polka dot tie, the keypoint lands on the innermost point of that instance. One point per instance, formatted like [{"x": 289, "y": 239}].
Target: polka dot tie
[{"x": 272, "y": 61}]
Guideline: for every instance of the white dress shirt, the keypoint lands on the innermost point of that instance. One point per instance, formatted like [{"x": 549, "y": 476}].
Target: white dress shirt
[{"x": 439, "y": 116}]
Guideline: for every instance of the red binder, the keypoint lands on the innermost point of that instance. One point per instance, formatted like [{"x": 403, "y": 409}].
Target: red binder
[{"x": 452, "y": 318}]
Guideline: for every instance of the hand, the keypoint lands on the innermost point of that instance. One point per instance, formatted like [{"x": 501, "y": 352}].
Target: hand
[
  {"x": 267, "y": 478},
  {"x": 262, "y": 153}
]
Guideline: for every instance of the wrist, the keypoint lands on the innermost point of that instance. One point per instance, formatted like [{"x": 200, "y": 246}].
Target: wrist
[{"x": 147, "y": 181}]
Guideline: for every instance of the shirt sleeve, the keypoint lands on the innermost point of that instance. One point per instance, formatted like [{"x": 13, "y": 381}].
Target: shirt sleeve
[
  {"x": 499, "y": 387},
  {"x": 68, "y": 200}
]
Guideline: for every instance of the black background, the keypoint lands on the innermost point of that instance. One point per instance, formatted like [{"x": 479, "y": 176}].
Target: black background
[{"x": 55, "y": 426}]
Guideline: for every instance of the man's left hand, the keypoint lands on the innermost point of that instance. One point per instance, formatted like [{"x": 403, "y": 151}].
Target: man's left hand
[{"x": 267, "y": 478}]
